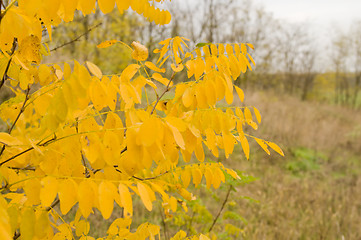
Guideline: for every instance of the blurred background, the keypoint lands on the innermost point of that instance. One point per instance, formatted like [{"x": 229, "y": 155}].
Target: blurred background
[{"x": 307, "y": 86}]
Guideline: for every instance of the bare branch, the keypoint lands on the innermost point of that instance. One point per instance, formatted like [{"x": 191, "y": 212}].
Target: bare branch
[
  {"x": 27, "y": 150},
  {"x": 165, "y": 91},
  {"x": 221, "y": 209},
  {"x": 17, "y": 118},
  {"x": 8, "y": 64},
  {"x": 77, "y": 38}
]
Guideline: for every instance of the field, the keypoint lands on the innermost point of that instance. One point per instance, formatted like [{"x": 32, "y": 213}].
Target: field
[{"x": 314, "y": 191}]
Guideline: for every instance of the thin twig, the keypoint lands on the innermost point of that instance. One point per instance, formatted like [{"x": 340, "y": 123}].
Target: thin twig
[
  {"x": 165, "y": 91},
  {"x": 165, "y": 230},
  {"x": 5, "y": 76},
  {"x": 56, "y": 202},
  {"x": 17, "y": 118},
  {"x": 77, "y": 38},
  {"x": 138, "y": 178},
  {"x": 27, "y": 150},
  {"x": 221, "y": 209},
  {"x": 86, "y": 172},
  {"x": 1, "y": 5},
  {"x": 22, "y": 109},
  {"x": 16, "y": 235}
]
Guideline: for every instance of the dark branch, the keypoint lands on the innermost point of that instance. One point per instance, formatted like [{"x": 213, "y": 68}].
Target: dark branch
[
  {"x": 221, "y": 209},
  {"x": 17, "y": 118},
  {"x": 165, "y": 91},
  {"x": 86, "y": 172},
  {"x": 27, "y": 150},
  {"x": 77, "y": 38},
  {"x": 8, "y": 64}
]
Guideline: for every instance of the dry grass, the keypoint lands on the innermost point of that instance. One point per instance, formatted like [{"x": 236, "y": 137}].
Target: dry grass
[{"x": 314, "y": 203}]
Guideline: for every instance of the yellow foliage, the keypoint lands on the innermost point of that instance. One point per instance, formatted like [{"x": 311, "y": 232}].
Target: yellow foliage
[{"x": 86, "y": 139}]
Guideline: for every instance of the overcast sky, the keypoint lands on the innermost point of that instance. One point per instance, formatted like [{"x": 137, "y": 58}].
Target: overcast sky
[{"x": 320, "y": 12}]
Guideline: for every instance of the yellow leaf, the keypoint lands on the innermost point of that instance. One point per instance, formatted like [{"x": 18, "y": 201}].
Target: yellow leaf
[
  {"x": 258, "y": 114},
  {"x": 187, "y": 97},
  {"x": 112, "y": 147},
  {"x": 32, "y": 191},
  {"x": 203, "y": 237},
  {"x": 201, "y": 96},
  {"x": 98, "y": 94},
  {"x": 148, "y": 132},
  {"x": 240, "y": 93},
  {"x": 119, "y": 225},
  {"x": 177, "y": 136},
  {"x": 243, "y": 48},
  {"x": 220, "y": 49},
  {"x": 228, "y": 143},
  {"x": 144, "y": 195},
  {"x": 199, "y": 68},
  {"x": 5, "y": 215},
  {"x": 218, "y": 177},
  {"x": 42, "y": 225},
  {"x": 27, "y": 226},
  {"x": 186, "y": 155},
  {"x": 86, "y": 198},
  {"x": 67, "y": 195},
  {"x": 140, "y": 52},
  {"x": 186, "y": 177},
  {"x": 126, "y": 199},
  {"x": 86, "y": 6},
  {"x": 209, "y": 177},
  {"x": 82, "y": 228},
  {"x": 234, "y": 66},
  {"x": 232, "y": 173},
  {"x": 94, "y": 69},
  {"x": 107, "y": 43},
  {"x": 251, "y": 58},
  {"x": 122, "y": 5},
  {"x": 245, "y": 146},
  {"x": 263, "y": 145},
  {"x": 9, "y": 140},
  {"x": 185, "y": 194},
  {"x": 44, "y": 74},
  {"x": 107, "y": 193},
  {"x": 250, "y": 45},
  {"x": 177, "y": 68},
  {"x": 161, "y": 79},
  {"x": 129, "y": 72},
  {"x": 199, "y": 151},
  {"x": 153, "y": 67},
  {"x": 247, "y": 113},
  {"x": 48, "y": 191},
  {"x": 29, "y": 49},
  {"x": 113, "y": 121},
  {"x": 197, "y": 176},
  {"x": 106, "y": 6},
  {"x": 276, "y": 148},
  {"x": 229, "y": 49}
]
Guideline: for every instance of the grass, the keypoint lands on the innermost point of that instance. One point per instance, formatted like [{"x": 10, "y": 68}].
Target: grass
[{"x": 314, "y": 191}]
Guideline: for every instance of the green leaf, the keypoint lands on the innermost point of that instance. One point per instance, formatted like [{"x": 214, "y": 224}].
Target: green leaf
[{"x": 199, "y": 45}]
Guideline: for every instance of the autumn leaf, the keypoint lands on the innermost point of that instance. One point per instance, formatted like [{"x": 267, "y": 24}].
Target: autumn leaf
[{"x": 140, "y": 52}]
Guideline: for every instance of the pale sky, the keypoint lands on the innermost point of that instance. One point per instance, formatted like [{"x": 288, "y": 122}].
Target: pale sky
[{"x": 320, "y": 12}]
